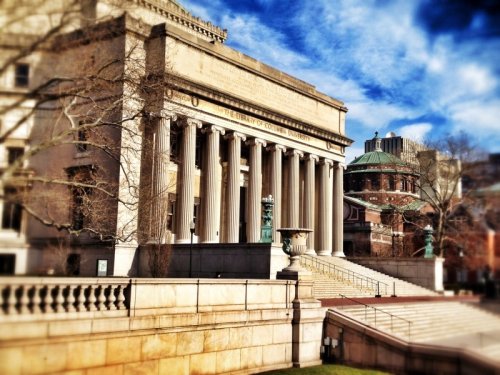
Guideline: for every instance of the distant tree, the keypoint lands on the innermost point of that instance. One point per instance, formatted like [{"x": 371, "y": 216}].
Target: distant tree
[{"x": 440, "y": 169}]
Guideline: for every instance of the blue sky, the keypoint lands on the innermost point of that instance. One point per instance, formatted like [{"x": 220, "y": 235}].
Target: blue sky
[{"x": 418, "y": 68}]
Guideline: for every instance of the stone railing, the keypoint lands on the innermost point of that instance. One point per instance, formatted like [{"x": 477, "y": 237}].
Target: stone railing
[
  {"x": 48, "y": 298},
  {"x": 34, "y": 297}
]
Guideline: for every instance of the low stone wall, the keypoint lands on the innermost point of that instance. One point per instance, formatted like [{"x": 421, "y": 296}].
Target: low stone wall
[
  {"x": 420, "y": 271},
  {"x": 59, "y": 325}
]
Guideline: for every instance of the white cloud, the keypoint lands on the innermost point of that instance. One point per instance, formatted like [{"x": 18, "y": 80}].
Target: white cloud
[
  {"x": 482, "y": 118},
  {"x": 353, "y": 152},
  {"x": 416, "y": 132},
  {"x": 478, "y": 79},
  {"x": 261, "y": 42}
]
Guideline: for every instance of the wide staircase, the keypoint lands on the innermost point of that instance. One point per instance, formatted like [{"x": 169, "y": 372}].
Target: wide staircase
[
  {"x": 443, "y": 323},
  {"x": 334, "y": 276}
]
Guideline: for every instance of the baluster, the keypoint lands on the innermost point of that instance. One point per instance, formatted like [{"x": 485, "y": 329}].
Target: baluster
[
  {"x": 112, "y": 298},
  {"x": 11, "y": 301},
  {"x": 80, "y": 298},
  {"x": 24, "y": 300},
  {"x": 70, "y": 300},
  {"x": 59, "y": 299},
  {"x": 121, "y": 298},
  {"x": 51, "y": 298},
  {"x": 100, "y": 298},
  {"x": 44, "y": 296},
  {"x": 92, "y": 299},
  {"x": 36, "y": 300}
]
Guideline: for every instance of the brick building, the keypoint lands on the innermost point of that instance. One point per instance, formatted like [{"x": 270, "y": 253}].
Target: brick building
[{"x": 378, "y": 189}]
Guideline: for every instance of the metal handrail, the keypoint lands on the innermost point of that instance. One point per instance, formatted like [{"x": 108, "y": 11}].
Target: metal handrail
[
  {"x": 382, "y": 311},
  {"x": 356, "y": 278}
]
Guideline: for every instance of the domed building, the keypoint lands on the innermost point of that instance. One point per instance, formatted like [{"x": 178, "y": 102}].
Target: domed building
[{"x": 378, "y": 189}]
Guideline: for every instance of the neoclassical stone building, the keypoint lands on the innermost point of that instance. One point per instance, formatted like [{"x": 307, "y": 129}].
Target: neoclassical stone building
[{"x": 198, "y": 140}]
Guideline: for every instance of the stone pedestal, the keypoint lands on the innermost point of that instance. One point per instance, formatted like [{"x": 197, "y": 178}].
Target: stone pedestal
[{"x": 307, "y": 326}]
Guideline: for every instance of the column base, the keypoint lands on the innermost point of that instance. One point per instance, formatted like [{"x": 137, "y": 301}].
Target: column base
[
  {"x": 339, "y": 254},
  {"x": 183, "y": 241},
  {"x": 311, "y": 252},
  {"x": 324, "y": 253}
]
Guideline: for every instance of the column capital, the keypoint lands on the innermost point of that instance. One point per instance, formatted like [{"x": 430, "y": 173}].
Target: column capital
[
  {"x": 191, "y": 122},
  {"x": 212, "y": 129},
  {"x": 235, "y": 135},
  {"x": 255, "y": 141},
  {"x": 165, "y": 114},
  {"x": 340, "y": 165},
  {"x": 276, "y": 147},
  {"x": 311, "y": 157},
  {"x": 326, "y": 161},
  {"x": 294, "y": 152}
]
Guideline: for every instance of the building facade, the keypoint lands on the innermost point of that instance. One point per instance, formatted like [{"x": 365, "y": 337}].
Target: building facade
[{"x": 177, "y": 133}]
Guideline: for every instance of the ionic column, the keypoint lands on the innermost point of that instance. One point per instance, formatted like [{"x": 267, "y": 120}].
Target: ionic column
[
  {"x": 309, "y": 200},
  {"x": 233, "y": 187},
  {"x": 211, "y": 210},
  {"x": 293, "y": 187},
  {"x": 185, "y": 200},
  {"x": 276, "y": 182},
  {"x": 338, "y": 213},
  {"x": 254, "y": 190},
  {"x": 159, "y": 180},
  {"x": 325, "y": 209}
]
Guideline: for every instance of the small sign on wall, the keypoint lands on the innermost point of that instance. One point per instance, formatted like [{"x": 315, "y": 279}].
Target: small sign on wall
[{"x": 102, "y": 267}]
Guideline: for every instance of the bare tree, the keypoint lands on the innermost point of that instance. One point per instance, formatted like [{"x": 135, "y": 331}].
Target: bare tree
[
  {"x": 94, "y": 92},
  {"x": 440, "y": 169}
]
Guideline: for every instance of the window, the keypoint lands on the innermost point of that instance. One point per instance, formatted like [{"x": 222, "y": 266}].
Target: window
[
  {"x": 404, "y": 184},
  {"x": 12, "y": 211},
  {"x": 81, "y": 203},
  {"x": 22, "y": 75},
  {"x": 14, "y": 153},
  {"x": 171, "y": 211},
  {"x": 82, "y": 138},
  {"x": 392, "y": 183}
]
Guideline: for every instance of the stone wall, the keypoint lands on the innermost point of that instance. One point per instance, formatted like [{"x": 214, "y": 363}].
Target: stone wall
[
  {"x": 237, "y": 261},
  {"x": 420, "y": 271},
  {"x": 183, "y": 326},
  {"x": 364, "y": 346}
]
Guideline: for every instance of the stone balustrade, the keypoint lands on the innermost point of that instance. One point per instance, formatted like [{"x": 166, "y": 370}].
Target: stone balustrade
[
  {"x": 27, "y": 297},
  {"x": 30, "y": 298}
]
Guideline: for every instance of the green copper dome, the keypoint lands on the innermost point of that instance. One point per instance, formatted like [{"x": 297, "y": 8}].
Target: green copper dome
[{"x": 377, "y": 158}]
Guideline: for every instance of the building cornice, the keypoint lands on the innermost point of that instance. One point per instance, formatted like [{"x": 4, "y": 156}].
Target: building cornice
[
  {"x": 248, "y": 108},
  {"x": 177, "y": 14}
]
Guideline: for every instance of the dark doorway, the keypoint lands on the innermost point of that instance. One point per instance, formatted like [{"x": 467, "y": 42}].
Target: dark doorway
[
  {"x": 7, "y": 264},
  {"x": 243, "y": 223},
  {"x": 73, "y": 265}
]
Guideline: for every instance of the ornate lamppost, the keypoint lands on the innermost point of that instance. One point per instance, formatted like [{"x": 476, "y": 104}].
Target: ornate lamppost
[
  {"x": 429, "y": 250},
  {"x": 266, "y": 232}
]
